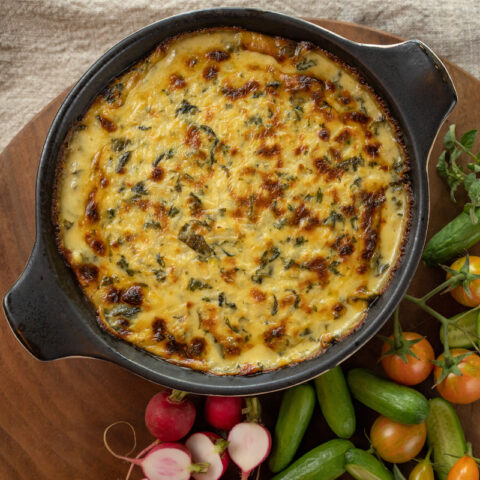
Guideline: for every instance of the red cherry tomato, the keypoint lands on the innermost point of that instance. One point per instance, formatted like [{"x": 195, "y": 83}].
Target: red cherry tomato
[
  {"x": 463, "y": 388},
  {"x": 459, "y": 293},
  {"x": 414, "y": 371},
  {"x": 396, "y": 442},
  {"x": 464, "y": 469}
]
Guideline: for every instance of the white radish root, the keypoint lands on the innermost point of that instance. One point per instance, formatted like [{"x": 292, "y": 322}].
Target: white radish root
[
  {"x": 166, "y": 464},
  {"x": 249, "y": 445}
]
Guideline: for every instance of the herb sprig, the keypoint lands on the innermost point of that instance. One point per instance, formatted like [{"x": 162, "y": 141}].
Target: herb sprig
[{"x": 455, "y": 174}]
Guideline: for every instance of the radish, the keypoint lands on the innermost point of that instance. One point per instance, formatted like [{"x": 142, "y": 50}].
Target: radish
[
  {"x": 167, "y": 461},
  {"x": 208, "y": 447},
  {"x": 168, "y": 416},
  {"x": 223, "y": 412},
  {"x": 249, "y": 442},
  {"x": 164, "y": 461}
]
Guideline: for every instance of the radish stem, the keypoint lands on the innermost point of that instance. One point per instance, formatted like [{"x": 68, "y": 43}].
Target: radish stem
[
  {"x": 221, "y": 445},
  {"x": 254, "y": 409},
  {"x": 177, "y": 396},
  {"x": 199, "y": 467}
]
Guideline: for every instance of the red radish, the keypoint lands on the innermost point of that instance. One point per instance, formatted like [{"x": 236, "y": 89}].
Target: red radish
[
  {"x": 166, "y": 461},
  {"x": 249, "y": 442},
  {"x": 208, "y": 447},
  {"x": 223, "y": 412},
  {"x": 169, "y": 416}
]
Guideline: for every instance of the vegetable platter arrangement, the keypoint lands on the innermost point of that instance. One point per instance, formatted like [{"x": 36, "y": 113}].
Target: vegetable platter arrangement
[{"x": 391, "y": 415}]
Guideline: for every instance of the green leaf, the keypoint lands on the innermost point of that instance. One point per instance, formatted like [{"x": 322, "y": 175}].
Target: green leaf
[
  {"x": 474, "y": 167},
  {"x": 450, "y": 138},
  {"x": 472, "y": 186},
  {"x": 468, "y": 139},
  {"x": 472, "y": 214},
  {"x": 442, "y": 165}
]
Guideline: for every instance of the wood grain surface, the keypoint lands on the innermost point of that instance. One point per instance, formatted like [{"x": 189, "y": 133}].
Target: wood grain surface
[{"x": 52, "y": 415}]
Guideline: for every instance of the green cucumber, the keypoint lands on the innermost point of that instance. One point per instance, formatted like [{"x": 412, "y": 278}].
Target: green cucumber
[
  {"x": 465, "y": 332},
  {"x": 445, "y": 436},
  {"x": 293, "y": 419},
  {"x": 335, "y": 402},
  {"x": 362, "y": 465},
  {"x": 452, "y": 240},
  {"x": 327, "y": 461},
  {"x": 397, "y": 402}
]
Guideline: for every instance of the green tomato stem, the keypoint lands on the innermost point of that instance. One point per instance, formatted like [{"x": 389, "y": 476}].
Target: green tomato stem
[
  {"x": 446, "y": 346},
  {"x": 421, "y": 303},
  {"x": 397, "y": 330},
  {"x": 441, "y": 287}
]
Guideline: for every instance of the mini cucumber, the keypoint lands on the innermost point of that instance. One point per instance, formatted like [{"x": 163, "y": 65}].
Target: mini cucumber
[
  {"x": 397, "y": 402},
  {"x": 445, "y": 436},
  {"x": 325, "y": 462},
  {"x": 335, "y": 402},
  {"x": 462, "y": 333},
  {"x": 362, "y": 465},
  {"x": 452, "y": 240},
  {"x": 295, "y": 413}
]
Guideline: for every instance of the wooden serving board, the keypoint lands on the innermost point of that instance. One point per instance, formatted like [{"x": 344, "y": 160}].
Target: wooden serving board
[{"x": 53, "y": 415}]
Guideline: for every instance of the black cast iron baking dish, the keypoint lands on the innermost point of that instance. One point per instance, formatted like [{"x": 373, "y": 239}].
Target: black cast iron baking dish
[{"x": 48, "y": 311}]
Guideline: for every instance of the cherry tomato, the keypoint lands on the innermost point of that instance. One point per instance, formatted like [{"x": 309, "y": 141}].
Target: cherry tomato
[
  {"x": 422, "y": 471},
  {"x": 464, "y": 469},
  {"x": 463, "y": 388},
  {"x": 396, "y": 442},
  {"x": 459, "y": 293},
  {"x": 413, "y": 371}
]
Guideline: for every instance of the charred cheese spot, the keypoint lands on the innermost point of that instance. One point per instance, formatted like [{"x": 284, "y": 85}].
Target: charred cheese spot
[{"x": 234, "y": 201}]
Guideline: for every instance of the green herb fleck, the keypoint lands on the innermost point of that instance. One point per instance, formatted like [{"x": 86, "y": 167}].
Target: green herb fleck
[
  {"x": 173, "y": 211},
  {"x": 300, "y": 241},
  {"x": 123, "y": 264},
  {"x": 196, "y": 284},
  {"x": 195, "y": 241},
  {"x": 305, "y": 64},
  {"x": 222, "y": 300},
  {"x": 186, "y": 108},
  {"x": 164, "y": 156},
  {"x": 119, "y": 144},
  {"x": 139, "y": 188},
  {"x": 153, "y": 224},
  {"x": 122, "y": 161},
  {"x": 275, "y": 306},
  {"x": 333, "y": 267}
]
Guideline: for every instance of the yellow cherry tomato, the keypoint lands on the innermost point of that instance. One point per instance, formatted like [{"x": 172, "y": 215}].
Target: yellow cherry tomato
[
  {"x": 459, "y": 293},
  {"x": 422, "y": 471}
]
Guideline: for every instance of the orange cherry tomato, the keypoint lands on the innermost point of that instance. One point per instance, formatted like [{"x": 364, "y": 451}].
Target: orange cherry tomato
[
  {"x": 463, "y": 388},
  {"x": 396, "y": 442},
  {"x": 464, "y": 469},
  {"x": 414, "y": 371},
  {"x": 459, "y": 293}
]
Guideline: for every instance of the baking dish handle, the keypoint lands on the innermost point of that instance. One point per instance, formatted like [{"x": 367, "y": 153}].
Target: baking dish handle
[
  {"x": 42, "y": 318},
  {"x": 419, "y": 86}
]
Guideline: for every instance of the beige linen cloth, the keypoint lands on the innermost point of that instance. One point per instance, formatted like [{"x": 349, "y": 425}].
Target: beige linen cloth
[{"x": 45, "y": 45}]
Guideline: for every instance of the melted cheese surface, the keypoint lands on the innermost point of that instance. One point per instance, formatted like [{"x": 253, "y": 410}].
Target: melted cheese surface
[{"x": 234, "y": 202}]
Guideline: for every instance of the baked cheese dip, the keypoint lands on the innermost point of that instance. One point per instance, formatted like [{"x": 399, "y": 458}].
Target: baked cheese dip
[{"x": 234, "y": 202}]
